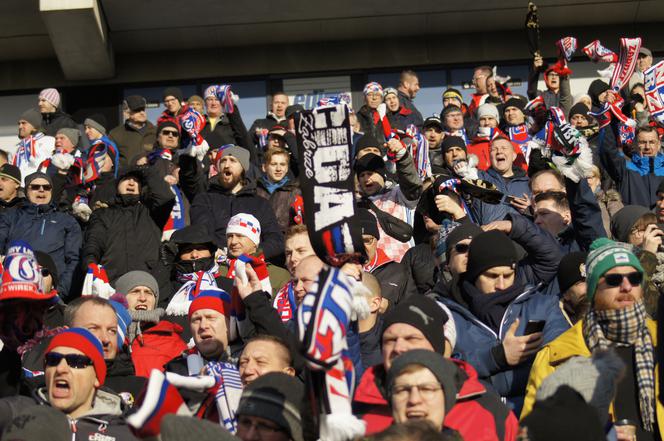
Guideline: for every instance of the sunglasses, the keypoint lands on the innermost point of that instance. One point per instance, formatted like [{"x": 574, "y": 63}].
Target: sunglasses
[
  {"x": 75, "y": 361},
  {"x": 45, "y": 187},
  {"x": 172, "y": 133},
  {"x": 634, "y": 278},
  {"x": 462, "y": 248}
]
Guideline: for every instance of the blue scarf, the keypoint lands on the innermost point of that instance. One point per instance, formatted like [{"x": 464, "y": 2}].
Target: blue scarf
[
  {"x": 270, "y": 186},
  {"x": 641, "y": 164}
]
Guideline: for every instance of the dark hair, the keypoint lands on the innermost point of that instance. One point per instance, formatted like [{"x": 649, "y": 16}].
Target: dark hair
[
  {"x": 557, "y": 197},
  {"x": 73, "y": 307},
  {"x": 405, "y": 74},
  {"x": 647, "y": 129}
]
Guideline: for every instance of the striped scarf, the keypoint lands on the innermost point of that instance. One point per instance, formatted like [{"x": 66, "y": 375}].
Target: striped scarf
[
  {"x": 176, "y": 218},
  {"x": 27, "y": 149},
  {"x": 284, "y": 302},
  {"x": 239, "y": 325},
  {"x": 192, "y": 285},
  {"x": 228, "y": 392},
  {"x": 627, "y": 327},
  {"x": 419, "y": 151}
]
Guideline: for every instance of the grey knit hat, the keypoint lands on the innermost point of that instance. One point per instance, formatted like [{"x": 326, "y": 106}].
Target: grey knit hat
[
  {"x": 239, "y": 153},
  {"x": 132, "y": 279},
  {"x": 97, "y": 122},
  {"x": 72, "y": 134},
  {"x": 277, "y": 397},
  {"x": 33, "y": 117},
  {"x": 595, "y": 378}
]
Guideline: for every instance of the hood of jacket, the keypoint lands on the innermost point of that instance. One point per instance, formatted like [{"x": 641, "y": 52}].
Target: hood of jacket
[{"x": 105, "y": 404}]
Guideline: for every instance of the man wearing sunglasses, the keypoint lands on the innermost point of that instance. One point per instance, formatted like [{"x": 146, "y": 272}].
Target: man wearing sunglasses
[
  {"x": 75, "y": 372},
  {"x": 45, "y": 229},
  {"x": 617, "y": 319}
]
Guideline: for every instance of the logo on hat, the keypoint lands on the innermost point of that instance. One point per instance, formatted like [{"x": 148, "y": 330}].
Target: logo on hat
[
  {"x": 421, "y": 313},
  {"x": 621, "y": 258},
  {"x": 582, "y": 270}
]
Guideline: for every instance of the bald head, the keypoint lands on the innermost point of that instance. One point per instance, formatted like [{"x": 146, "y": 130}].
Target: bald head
[
  {"x": 372, "y": 284},
  {"x": 306, "y": 274}
]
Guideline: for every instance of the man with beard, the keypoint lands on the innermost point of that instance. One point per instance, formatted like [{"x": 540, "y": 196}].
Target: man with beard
[
  {"x": 231, "y": 192},
  {"x": 617, "y": 319}
]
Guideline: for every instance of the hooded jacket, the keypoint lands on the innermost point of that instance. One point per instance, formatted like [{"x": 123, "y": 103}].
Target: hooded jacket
[
  {"x": 104, "y": 421},
  {"x": 477, "y": 415},
  {"x": 47, "y": 230},
  {"x": 112, "y": 233}
]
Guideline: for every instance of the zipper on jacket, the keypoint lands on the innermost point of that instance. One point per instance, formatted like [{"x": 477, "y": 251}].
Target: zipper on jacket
[{"x": 42, "y": 227}]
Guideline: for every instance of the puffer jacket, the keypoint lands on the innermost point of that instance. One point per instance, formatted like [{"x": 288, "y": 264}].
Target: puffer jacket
[
  {"x": 112, "y": 233},
  {"x": 47, "y": 230},
  {"x": 105, "y": 421},
  {"x": 478, "y": 414},
  {"x": 479, "y": 345},
  {"x": 571, "y": 344}
]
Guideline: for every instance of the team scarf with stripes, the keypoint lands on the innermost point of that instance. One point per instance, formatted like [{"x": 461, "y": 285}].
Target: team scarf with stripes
[
  {"x": 27, "y": 150},
  {"x": 453, "y": 185},
  {"x": 239, "y": 325},
  {"x": 284, "y": 302},
  {"x": 323, "y": 321},
  {"x": 461, "y": 133},
  {"x": 627, "y": 327},
  {"x": 176, "y": 217},
  {"x": 192, "y": 285},
  {"x": 419, "y": 151},
  {"x": 597, "y": 52},
  {"x": 228, "y": 392},
  {"x": 95, "y": 159},
  {"x": 653, "y": 79},
  {"x": 326, "y": 178}
]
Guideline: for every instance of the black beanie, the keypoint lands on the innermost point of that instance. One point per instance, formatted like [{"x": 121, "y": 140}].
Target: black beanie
[
  {"x": 367, "y": 141},
  {"x": 581, "y": 420},
  {"x": 167, "y": 123},
  {"x": 453, "y": 141},
  {"x": 466, "y": 230},
  {"x": 514, "y": 102},
  {"x": 578, "y": 109},
  {"x": 445, "y": 371},
  {"x": 370, "y": 162},
  {"x": 277, "y": 397},
  {"x": 422, "y": 313},
  {"x": 595, "y": 89},
  {"x": 367, "y": 222},
  {"x": 174, "y": 91},
  {"x": 623, "y": 221},
  {"x": 488, "y": 250},
  {"x": 572, "y": 269}
]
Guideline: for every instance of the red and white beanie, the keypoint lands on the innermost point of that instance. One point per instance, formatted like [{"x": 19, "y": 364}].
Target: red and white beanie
[
  {"x": 246, "y": 225},
  {"x": 51, "y": 95}
]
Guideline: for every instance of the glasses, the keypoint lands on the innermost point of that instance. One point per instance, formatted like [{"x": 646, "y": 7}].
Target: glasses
[
  {"x": 426, "y": 390},
  {"x": 462, "y": 248},
  {"x": 75, "y": 361},
  {"x": 263, "y": 429},
  {"x": 172, "y": 133},
  {"x": 36, "y": 187},
  {"x": 634, "y": 278},
  {"x": 649, "y": 143}
]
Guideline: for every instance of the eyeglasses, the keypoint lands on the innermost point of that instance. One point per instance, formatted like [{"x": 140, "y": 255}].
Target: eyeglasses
[
  {"x": 45, "y": 187},
  {"x": 426, "y": 390},
  {"x": 75, "y": 361},
  {"x": 172, "y": 133},
  {"x": 263, "y": 429},
  {"x": 634, "y": 278},
  {"x": 462, "y": 248}
]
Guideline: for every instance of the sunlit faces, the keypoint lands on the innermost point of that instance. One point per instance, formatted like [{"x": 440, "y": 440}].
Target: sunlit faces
[
  {"x": 514, "y": 116},
  {"x": 373, "y": 99},
  {"x": 402, "y": 337},
  {"x": 502, "y": 155},
  {"x": 40, "y": 191},
  {"x": 608, "y": 295},
  {"x": 8, "y": 188},
  {"x": 141, "y": 298},
  {"x": 495, "y": 279},
  {"x": 260, "y": 357},
  {"x": 25, "y": 129},
  {"x": 277, "y": 167},
  {"x": 210, "y": 331},
  {"x": 297, "y": 248},
  {"x": 392, "y": 102},
  {"x": 239, "y": 244},
  {"x": 62, "y": 143},
  {"x": 70, "y": 390},
  {"x": 417, "y": 395},
  {"x": 102, "y": 322},
  {"x": 172, "y": 104}
]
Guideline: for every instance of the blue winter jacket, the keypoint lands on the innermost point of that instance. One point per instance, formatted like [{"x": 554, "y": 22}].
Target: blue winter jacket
[
  {"x": 476, "y": 341},
  {"x": 637, "y": 179},
  {"x": 516, "y": 186},
  {"x": 47, "y": 230}
]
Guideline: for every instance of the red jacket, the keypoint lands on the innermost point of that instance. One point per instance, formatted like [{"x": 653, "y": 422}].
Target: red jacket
[
  {"x": 156, "y": 346},
  {"x": 477, "y": 415},
  {"x": 479, "y": 147}
]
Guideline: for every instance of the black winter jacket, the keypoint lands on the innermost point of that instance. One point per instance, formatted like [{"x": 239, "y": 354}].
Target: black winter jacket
[
  {"x": 230, "y": 129},
  {"x": 213, "y": 206},
  {"x": 126, "y": 235},
  {"x": 280, "y": 200},
  {"x": 52, "y": 122}
]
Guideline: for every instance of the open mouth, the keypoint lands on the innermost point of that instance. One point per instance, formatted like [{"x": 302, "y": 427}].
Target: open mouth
[
  {"x": 416, "y": 415},
  {"x": 141, "y": 307},
  {"x": 61, "y": 389}
]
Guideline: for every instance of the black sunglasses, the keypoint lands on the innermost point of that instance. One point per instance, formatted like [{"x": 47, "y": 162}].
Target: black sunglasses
[
  {"x": 45, "y": 187},
  {"x": 75, "y": 361},
  {"x": 634, "y": 278},
  {"x": 462, "y": 248},
  {"x": 173, "y": 133}
]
